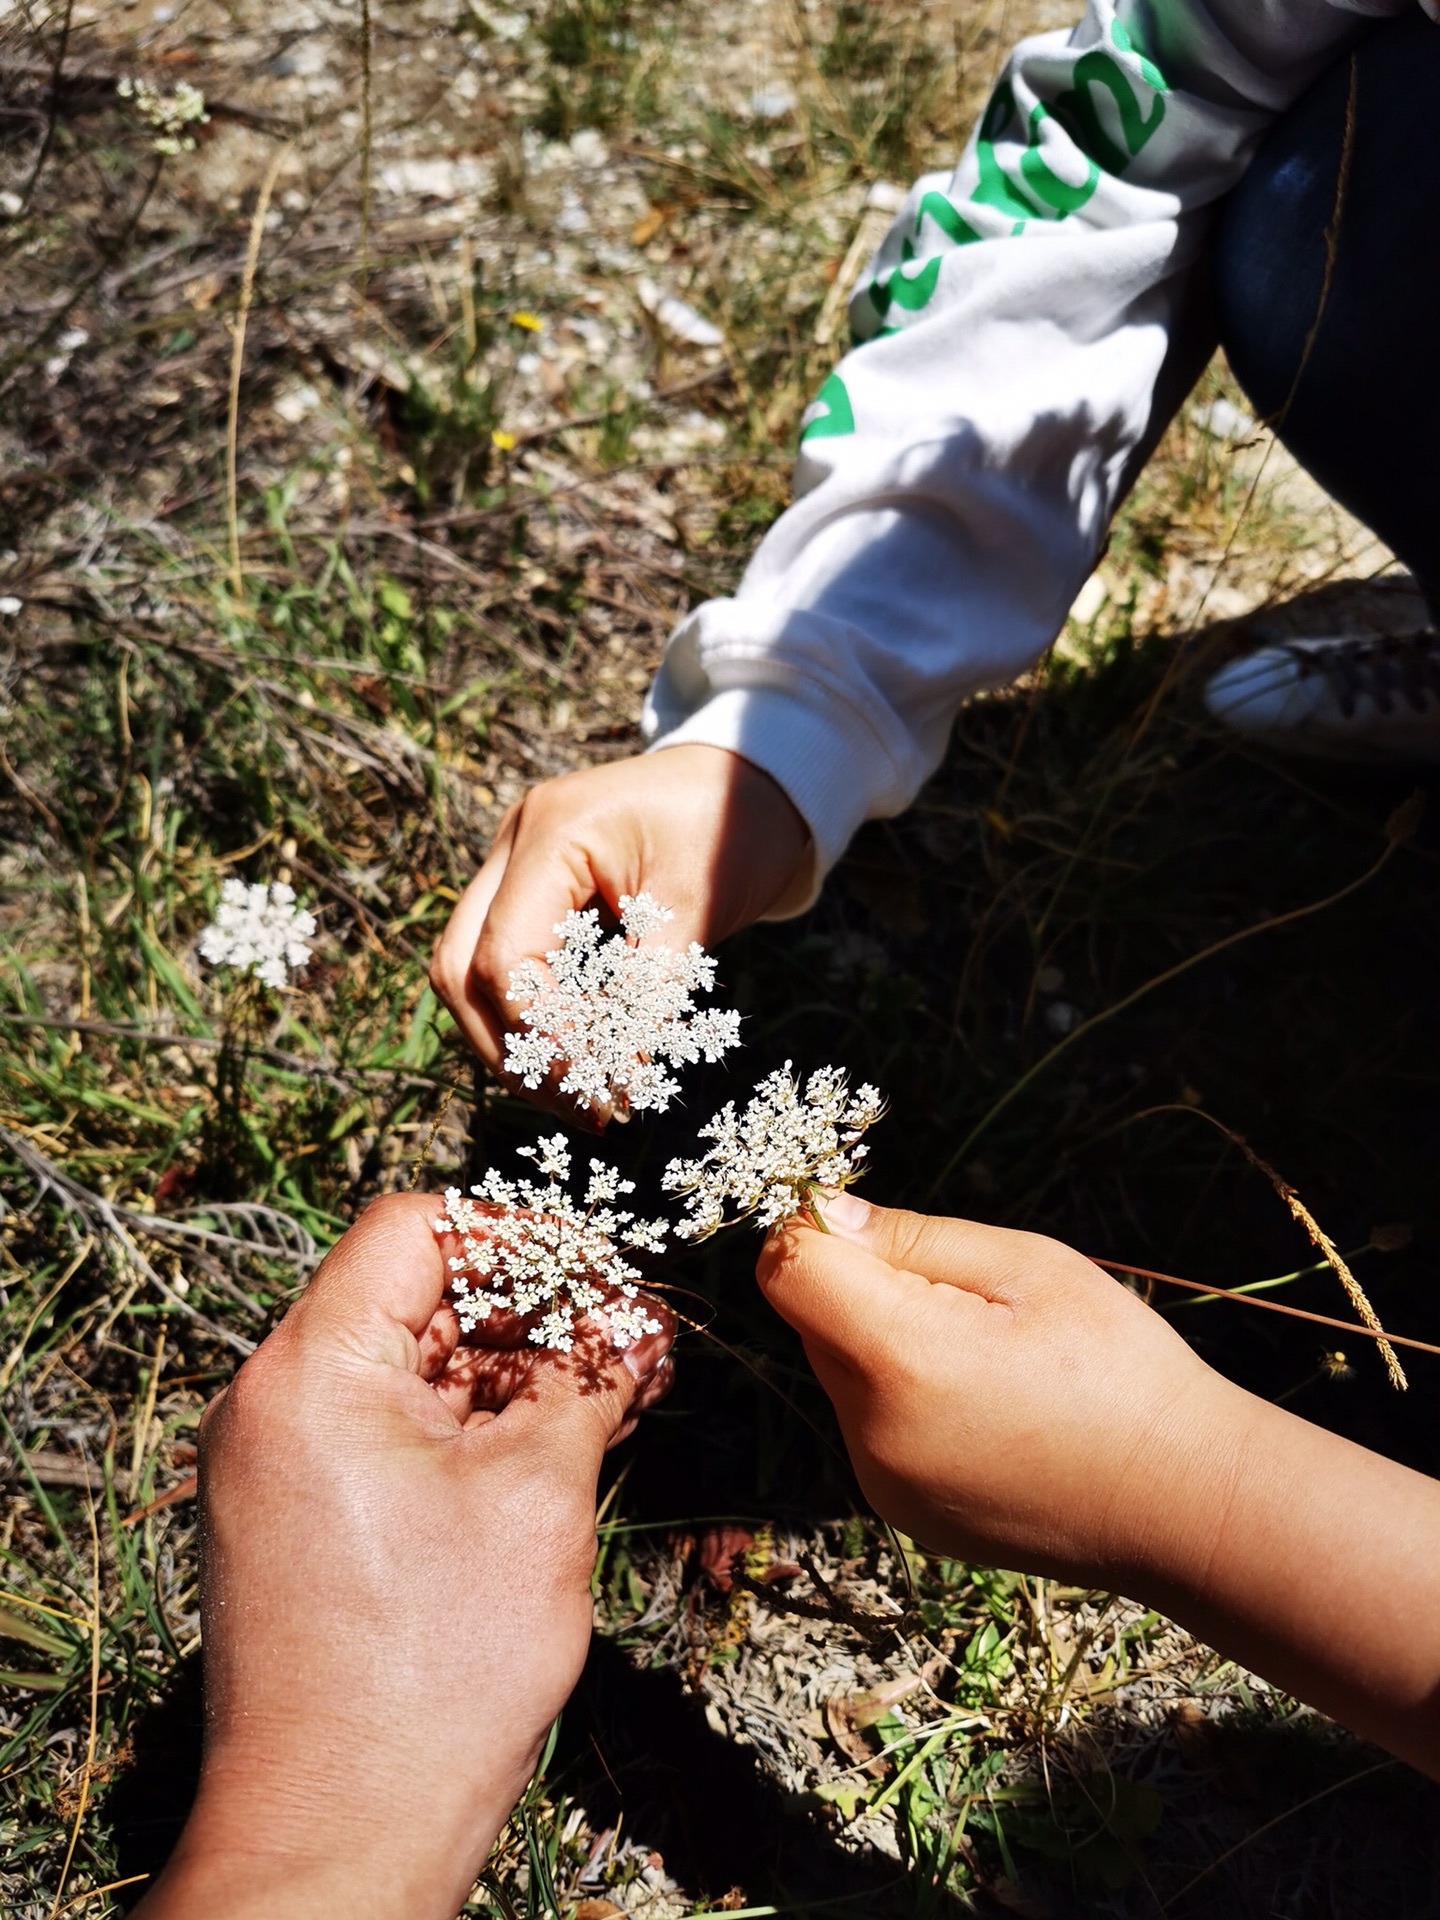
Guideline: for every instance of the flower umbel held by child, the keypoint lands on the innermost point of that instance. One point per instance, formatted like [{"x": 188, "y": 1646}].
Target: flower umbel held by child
[
  {"x": 527, "y": 1247},
  {"x": 616, "y": 1013},
  {"x": 260, "y": 930},
  {"x": 768, "y": 1161}
]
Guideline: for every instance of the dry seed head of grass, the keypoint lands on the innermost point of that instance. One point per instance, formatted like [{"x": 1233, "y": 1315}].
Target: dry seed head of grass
[{"x": 1319, "y": 1239}]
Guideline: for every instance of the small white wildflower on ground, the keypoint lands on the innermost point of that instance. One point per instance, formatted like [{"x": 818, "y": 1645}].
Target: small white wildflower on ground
[
  {"x": 768, "y": 1160},
  {"x": 527, "y": 1247},
  {"x": 259, "y": 929},
  {"x": 616, "y": 1013},
  {"x": 66, "y": 347},
  {"x": 172, "y": 115}
]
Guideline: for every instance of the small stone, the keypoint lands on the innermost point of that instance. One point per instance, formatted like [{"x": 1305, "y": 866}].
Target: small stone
[
  {"x": 1090, "y": 602},
  {"x": 294, "y": 404},
  {"x": 677, "y": 317},
  {"x": 1223, "y": 420},
  {"x": 772, "y": 103},
  {"x": 588, "y": 148}
]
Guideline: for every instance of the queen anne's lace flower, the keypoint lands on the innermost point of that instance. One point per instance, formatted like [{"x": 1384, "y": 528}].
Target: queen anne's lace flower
[
  {"x": 526, "y": 1247},
  {"x": 260, "y": 930},
  {"x": 172, "y": 115},
  {"x": 616, "y": 1013},
  {"x": 767, "y": 1160}
]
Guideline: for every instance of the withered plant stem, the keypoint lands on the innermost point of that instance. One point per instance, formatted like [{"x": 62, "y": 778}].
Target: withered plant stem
[
  {"x": 1381, "y": 1335},
  {"x": 1318, "y": 1237},
  {"x": 87, "y": 1767},
  {"x": 237, "y": 362}
]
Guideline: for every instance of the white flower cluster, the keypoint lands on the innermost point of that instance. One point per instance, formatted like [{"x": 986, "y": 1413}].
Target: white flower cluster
[
  {"x": 260, "y": 930},
  {"x": 616, "y": 1013},
  {"x": 170, "y": 114},
  {"x": 767, "y": 1160},
  {"x": 527, "y": 1248}
]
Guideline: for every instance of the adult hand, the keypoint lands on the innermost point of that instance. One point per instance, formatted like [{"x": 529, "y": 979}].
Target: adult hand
[
  {"x": 395, "y": 1588},
  {"x": 1005, "y": 1401},
  {"x": 704, "y": 831}
]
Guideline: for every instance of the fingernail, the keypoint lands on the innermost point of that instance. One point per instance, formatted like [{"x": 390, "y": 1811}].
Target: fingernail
[
  {"x": 845, "y": 1212},
  {"x": 640, "y": 1370}
]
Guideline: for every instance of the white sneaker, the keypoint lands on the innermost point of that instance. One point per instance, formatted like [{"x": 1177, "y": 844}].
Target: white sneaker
[{"x": 1376, "y": 699}]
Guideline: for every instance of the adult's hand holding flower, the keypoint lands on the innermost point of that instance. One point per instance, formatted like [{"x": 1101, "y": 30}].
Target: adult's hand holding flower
[
  {"x": 1005, "y": 1401},
  {"x": 697, "y": 827},
  {"x": 398, "y": 1537}
]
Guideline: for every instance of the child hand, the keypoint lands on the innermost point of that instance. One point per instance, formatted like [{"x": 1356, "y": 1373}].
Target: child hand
[
  {"x": 1003, "y": 1400},
  {"x": 700, "y": 828}
]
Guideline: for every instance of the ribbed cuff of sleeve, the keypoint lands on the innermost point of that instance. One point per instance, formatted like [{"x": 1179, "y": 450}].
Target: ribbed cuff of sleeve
[{"x": 823, "y": 765}]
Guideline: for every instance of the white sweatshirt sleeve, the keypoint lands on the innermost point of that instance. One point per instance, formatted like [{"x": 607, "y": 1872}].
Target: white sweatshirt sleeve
[{"x": 1030, "y": 324}]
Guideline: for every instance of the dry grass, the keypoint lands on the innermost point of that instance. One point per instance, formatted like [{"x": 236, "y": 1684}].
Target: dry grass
[{"x": 452, "y": 545}]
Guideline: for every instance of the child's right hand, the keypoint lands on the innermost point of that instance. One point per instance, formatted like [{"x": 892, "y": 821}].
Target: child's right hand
[
  {"x": 700, "y": 828},
  {"x": 1003, "y": 1399}
]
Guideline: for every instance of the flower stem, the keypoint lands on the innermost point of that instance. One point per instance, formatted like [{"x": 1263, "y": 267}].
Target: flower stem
[{"x": 811, "y": 1205}]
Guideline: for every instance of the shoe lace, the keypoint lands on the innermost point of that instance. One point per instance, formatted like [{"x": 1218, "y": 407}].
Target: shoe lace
[{"x": 1399, "y": 667}]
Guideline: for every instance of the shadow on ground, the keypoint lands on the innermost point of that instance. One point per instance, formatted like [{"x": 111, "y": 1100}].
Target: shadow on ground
[{"x": 1265, "y": 1821}]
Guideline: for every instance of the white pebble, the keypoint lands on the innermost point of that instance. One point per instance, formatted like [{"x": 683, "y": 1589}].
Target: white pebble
[
  {"x": 771, "y": 103},
  {"x": 1223, "y": 420},
  {"x": 677, "y": 317}
]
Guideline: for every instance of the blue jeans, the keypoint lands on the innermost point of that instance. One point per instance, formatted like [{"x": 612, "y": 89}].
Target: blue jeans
[{"x": 1361, "y": 410}]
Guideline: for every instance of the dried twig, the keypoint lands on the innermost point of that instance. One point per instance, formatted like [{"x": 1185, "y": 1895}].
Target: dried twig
[
  {"x": 237, "y": 361},
  {"x": 52, "y": 105},
  {"x": 104, "y": 1218},
  {"x": 87, "y": 1768},
  {"x": 1332, "y": 241},
  {"x": 185, "y": 1489},
  {"x": 54, "y": 1469},
  {"x": 81, "y": 90},
  {"x": 26, "y": 793},
  {"x": 1380, "y": 1334}
]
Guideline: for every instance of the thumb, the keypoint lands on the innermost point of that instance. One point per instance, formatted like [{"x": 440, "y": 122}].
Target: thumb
[
  {"x": 994, "y": 1263},
  {"x": 544, "y": 877},
  {"x": 380, "y": 1284},
  {"x": 843, "y": 1298}
]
